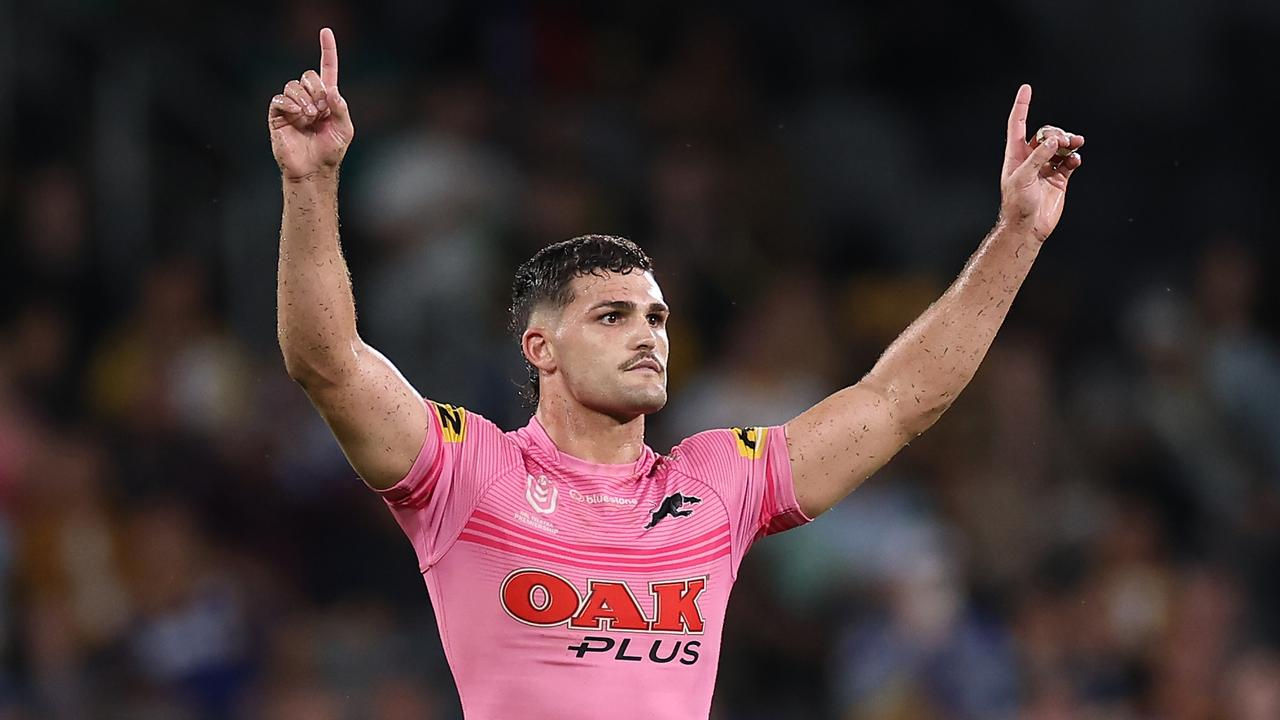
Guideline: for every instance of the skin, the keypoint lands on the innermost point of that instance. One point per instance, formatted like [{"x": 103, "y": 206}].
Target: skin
[
  {"x": 594, "y": 386},
  {"x": 594, "y": 396},
  {"x": 377, "y": 417}
]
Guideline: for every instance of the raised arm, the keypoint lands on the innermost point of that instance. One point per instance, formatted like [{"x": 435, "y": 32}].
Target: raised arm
[
  {"x": 841, "y": 441},
  {"x": 377, "y": 417}
]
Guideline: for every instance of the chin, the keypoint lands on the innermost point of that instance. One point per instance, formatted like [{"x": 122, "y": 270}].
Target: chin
[
  {"x": 640, "y": 402},
  {"x": 654, "y": 404}
]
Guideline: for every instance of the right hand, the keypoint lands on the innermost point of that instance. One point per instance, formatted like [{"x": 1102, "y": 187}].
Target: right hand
[
  {"x": 310, "y": 123},
  {"x": 1033, "y": 182}
]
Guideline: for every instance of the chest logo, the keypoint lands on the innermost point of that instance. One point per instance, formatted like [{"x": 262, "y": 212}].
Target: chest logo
[
  {"x": 672, "y": 506},
  {"x": 542, "y": 493},
  {"x": 544, "y": 599}
]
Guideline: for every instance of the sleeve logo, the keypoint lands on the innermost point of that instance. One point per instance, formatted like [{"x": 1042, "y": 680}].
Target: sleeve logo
[
  {"x": 453, "y": 422},
  {"x": 750, "y": 441}
]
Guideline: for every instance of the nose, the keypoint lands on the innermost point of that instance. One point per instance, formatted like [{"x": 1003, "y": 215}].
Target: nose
[{"x": 645, "y": 339}]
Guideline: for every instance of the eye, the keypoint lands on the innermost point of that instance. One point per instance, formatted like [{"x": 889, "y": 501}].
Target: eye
[
  {"x": 611, "y": 318},
  {"x": 657, "y": 320}
]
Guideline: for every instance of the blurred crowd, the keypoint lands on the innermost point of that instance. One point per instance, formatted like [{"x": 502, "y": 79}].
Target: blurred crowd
[{"x": 1093, "y": 530}]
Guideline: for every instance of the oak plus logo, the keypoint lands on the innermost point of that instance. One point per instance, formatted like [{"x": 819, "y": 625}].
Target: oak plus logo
[
  {"x": 544, "y": 599},
  {"x": 542, "y": 493}
]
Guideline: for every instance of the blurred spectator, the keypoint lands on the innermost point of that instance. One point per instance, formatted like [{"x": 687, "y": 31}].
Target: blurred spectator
[
  {"x": 1177, "y": 407},
  {"x": 759, "y": 380},
  {"x": 1252, "y": 686},
  {"x": 434, "y": 197},
  {"x": 191, "y": 638},
  {"x": 926, "y": 651},
  {"x": 1242, "y": 364},
  {"x": 172, "y": 367}
]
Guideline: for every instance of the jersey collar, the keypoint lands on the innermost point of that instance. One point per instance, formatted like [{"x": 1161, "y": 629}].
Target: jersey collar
[{"x": 544, "y": 449}]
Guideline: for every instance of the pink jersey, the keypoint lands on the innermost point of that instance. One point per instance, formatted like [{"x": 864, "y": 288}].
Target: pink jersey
[{"x": 566, "y": 589}]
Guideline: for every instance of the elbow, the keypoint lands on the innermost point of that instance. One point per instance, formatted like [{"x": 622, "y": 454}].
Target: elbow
[
  {"x": 914, "y": 409},
  {"x": 295, "y": 360},
  {"x": 317, "y": 366},
  {"x": 299, "y": 370},
  {"x": 914, "y": 424}
]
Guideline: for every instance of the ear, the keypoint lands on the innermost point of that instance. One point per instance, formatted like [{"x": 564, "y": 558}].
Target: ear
[{"x": 538, "y": 350}]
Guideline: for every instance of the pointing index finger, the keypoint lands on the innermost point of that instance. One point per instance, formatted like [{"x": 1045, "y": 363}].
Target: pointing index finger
[
  {"x": 1018, "y": 115},
  {"x": 328, "y": 58}
]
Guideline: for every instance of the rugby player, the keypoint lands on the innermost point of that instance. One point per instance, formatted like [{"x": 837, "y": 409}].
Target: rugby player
[{"x": 574, "y": 572}]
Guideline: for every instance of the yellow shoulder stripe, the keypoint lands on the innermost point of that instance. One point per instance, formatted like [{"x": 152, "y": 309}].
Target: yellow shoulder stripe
[
  {"x": 750, "y": 441},
  {"x": 453, "y": 421}
]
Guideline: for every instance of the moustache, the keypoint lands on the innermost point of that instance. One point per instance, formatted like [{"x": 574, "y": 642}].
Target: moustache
[{"x": 641, "y": 358}]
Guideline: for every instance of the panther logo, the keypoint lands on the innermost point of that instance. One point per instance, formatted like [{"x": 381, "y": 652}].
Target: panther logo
[{"x": 672, "y": 506}]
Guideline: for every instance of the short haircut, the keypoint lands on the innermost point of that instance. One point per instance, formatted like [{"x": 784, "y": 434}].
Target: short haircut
[{"x": 544, "y": 280}]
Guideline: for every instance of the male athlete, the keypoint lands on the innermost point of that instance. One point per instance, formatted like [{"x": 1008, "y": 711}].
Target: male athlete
[{"x": 574, "y": 572}]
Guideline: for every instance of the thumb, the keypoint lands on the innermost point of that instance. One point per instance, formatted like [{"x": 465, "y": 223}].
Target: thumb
[{"x": 1030, "y": 168}]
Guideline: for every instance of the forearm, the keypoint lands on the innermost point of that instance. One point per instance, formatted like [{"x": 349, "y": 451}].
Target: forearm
[
  {"x": 315, "y": 312},
  {"x": 927, "y": 367}
]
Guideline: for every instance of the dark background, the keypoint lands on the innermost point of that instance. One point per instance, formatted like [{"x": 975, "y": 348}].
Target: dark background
[{"x": 1092, "y": 531}]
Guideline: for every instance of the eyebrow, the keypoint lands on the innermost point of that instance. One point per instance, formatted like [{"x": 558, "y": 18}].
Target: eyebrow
[{"x": 627, "y": 306}]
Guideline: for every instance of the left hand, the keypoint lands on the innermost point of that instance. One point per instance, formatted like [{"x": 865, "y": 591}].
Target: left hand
[{"x": 1033, "y": 182}]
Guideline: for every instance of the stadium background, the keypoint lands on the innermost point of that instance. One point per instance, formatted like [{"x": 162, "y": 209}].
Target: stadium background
[{"x": 1092, "y": 531}]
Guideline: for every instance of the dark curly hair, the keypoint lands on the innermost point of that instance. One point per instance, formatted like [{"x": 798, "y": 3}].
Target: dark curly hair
[{"x": 545, "y": 278}]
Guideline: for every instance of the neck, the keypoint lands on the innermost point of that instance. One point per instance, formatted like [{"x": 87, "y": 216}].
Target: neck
[{"x": 590, "y": 435}]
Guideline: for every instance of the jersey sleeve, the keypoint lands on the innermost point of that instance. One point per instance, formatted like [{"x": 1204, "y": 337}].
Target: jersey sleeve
[
  {"x": 750, "y": 470},
  {"x": 461, "y": 452}
]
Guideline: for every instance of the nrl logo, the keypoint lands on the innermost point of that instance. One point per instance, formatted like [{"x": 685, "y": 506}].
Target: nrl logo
[{"x": 541, "y": 492}]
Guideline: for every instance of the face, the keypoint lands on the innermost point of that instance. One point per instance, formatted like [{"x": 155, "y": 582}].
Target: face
[{"x": 607, "y": 349}]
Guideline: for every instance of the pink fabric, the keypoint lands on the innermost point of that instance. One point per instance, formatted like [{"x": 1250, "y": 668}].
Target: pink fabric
[{"x": 552, "y": 597}]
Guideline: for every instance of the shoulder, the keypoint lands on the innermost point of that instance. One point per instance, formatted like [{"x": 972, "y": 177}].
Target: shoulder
[
  {"x": 459, "y": 426},
  {"x": 737, "y": 446},
  {"x": 452, "y": 420}
]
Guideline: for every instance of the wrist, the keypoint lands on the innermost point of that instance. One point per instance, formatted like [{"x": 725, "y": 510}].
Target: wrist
[
  {"x": 1021, "y": 237},
  {"x": 327, "y": 175},
  {"x": 1019, "y": 226}
]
